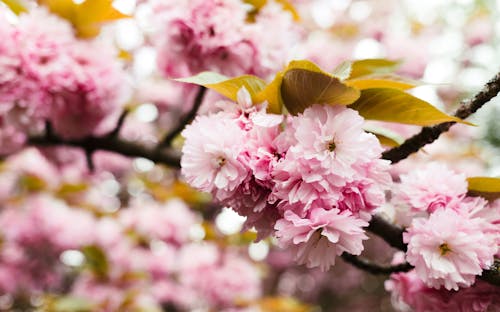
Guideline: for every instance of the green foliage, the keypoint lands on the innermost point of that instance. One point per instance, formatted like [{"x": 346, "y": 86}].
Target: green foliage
[
  {"x": 367, "y": 86},
  {"x": 96, "y": 260},
  {"x": 397, "y": 106},
  {"x": 486, "y": 187}
]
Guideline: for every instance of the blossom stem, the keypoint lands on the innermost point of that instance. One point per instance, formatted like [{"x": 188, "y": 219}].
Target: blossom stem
[
  {"x": 186, "y": 120},
  {"x": 429, "y": 134},
  {"x": 112, "y": 144},
  {"x": 373, "y": 268}
]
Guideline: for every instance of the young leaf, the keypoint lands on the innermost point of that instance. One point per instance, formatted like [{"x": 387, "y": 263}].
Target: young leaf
[
  {"x": 96, "y": 260},
  {"x": 272, "y": 94},
  {"x": 16, "y": 6},
  {"x": 385, "y": 136},
  {"x": 305, "y": 84},
  {"x": 343, "y": 70},
  {"x": 227, "y": 86},
  {"x": 259, "y": 4},
  {"x": 397, "y": 106},
  {"x": 486, "y": 187},
  {"x": 372, "y": 66},
  {"x": 87, "y": 17},
  {"x": 391, "y": 81}
]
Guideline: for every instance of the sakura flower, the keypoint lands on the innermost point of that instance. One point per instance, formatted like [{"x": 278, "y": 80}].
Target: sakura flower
[
  {"x": 211, "y": 155},
  {"x": 430, "y": 188},
  {"x": 323, "y": 235},
  {"x": 449, "y": 249}
]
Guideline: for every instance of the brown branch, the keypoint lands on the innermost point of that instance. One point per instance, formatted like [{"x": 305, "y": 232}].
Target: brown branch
[
  {"x": 373, "y": 268},
  {"x": 112, "y": 144},
  {"x": 430, "y": 134},
  {"x": 186, "y": 120}
]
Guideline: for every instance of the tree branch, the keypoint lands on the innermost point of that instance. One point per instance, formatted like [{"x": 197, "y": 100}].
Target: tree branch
[
  {"x": 430, "y": 134},
  {"x": 373, "y": 268},
  {"x": 186, "y": 120},
  {"x": 112, "y": 144}
]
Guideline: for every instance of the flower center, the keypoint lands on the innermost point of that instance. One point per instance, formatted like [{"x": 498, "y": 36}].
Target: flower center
[
  {"x": 444, "y": 249},
  {"x": 221, "y": 161},
  {"x": 331, "y": 146}
]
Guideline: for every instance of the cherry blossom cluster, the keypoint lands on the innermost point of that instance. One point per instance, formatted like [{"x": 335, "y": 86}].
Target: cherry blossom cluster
[
  {"x": 451, "y": 239},
  {"x": 46, "y": 74},
  {"x": 140, "y": 257},
  {"x": 312, "y": 180},
  {"x": 218, "y": 35}
]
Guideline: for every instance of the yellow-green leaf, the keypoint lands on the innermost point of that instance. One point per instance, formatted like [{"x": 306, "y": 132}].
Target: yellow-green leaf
[
  {"x": 259, "y": 4},
  {"x": 305, "y": 84},
  {"x": 486, "y": 187},
  {"x": 343, "y": 70},
  {"x": 227, "y": 86},
  {"x": 391, "y": 81},
  {"x": 96, "y": 260},
  {"x": 87, "y": 17},
  {"x": 16, "y": 6},
  {"x": 385, "y": 136},
  {"x": 272, "y": 94},
  {"x": 397, "y": 106},
  {"x": 372, "y": 66}
]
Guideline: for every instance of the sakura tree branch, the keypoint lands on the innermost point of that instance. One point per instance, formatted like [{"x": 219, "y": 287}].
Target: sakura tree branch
[
  {"x": 430, "y": 134},
  {"x": 112, "y": 144},
  {"x": 373, "y": 268},
  {"x": 186, "y": 120}
]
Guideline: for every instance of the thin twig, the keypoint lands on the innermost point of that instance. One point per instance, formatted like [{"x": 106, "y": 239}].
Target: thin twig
[
  {"x": 373, "y": 268},
  {"x": 106, "y": 143},
  {"x": 429, "y": 134},
  {"x": 186, "y": 120},
  {"x": 119, "y": 125}
]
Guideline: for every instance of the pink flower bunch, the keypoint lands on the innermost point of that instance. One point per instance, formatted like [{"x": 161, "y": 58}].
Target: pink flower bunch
[
  {"x": 409, "y": 293},
  {"x": 47, "y": 74},
  {"x": 316, "y": 183},
  {"x": 169, "y": 222},
  {"x": 423, "y": 191},
  {"x": 34, "y": 234},
  {"x": 216, "y": 35},
  {"x": 451, "y": 247}
]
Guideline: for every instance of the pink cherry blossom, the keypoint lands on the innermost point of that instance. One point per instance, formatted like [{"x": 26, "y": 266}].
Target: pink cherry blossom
[
  {"x": 323, "y": 235},
  {"x": 211, "y": 155},
  {"x": 449, "y": 249}
]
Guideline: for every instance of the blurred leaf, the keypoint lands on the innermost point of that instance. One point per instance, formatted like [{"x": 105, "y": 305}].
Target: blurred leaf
[
  {"x": 486, "y": 187},
  {"x": 16, "y": 6},
  {"x": 69, "y": 188},
  {"x": 227, "y": 86},
  {"x": 283, "y": 304},
  {"x": 88, "y": 17},
  {"x": 385, "y": 136},
  {"x": 343, "y": 70},
  {"x": 259, "y": 4},
  {"x": 305, "y": 84},
  {"x": 31, "y": 183},
  {"x": 73, "y": 304},
  {"x": 397, "y": 106},
  {"x": 390, "y": 81},
  {"x": 96, "y": 260},
  {"x": 372, "y": 66}
]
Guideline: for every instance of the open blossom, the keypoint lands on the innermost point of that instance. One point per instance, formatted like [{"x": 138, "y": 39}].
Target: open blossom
[
  {"x": 48, "y": 74},
  {"x": 429, "y": 188},
  {"x": 409, "y": 293},
  {"x": 211, "y": 155},
  {"x": 323, "y": 235},
  {"x": 215, "y": 35},
  {"x": 329, "y": 160},
  {"x": 450, "y": 248}
]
